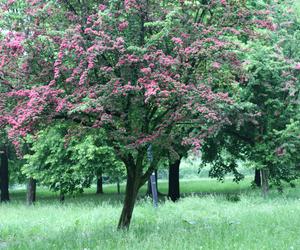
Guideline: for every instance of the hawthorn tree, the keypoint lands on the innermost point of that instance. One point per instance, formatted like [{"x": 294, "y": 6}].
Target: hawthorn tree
[{"x": 138, "y": 69}]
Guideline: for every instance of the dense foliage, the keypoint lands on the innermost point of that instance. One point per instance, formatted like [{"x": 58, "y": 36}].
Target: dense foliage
[
  {"x": 69, "y": 164},
  {"x": 267, "y": 107}
]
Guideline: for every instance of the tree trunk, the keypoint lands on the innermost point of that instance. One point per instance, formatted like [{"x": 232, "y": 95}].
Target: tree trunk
[
  {"x": 148, "y": 193},
  {"x": 132, "y": 188},
  {"x": 31, "y": 191},
  {"x": 4, "y": 176},
  {"x": 174, "y": 188},
  {"x": 118, "y": 187},
  {"x": 99, "y": 184},
  {"x": 61, "y": 197},
  {"x": 264, "y": 182},
  {"x": 257, "y": 178}
]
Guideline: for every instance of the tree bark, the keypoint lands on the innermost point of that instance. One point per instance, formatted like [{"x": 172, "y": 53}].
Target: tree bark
[
  {"x": 4, "y": 175},
  {"x": 257, "y": 178},
  {"x": 174, "y": 187},
  {"x": 99, "y": 184},
  {"x": 31, "y": 191},
  {"x": 118, "y": 187},
  {"x": 132, "y": 188},
  {"x": 264, "y": 182},
  {"x": 135, "y": 180},
  {"x": 61, "y": 197},
  {"x": 148, "y": 192}
]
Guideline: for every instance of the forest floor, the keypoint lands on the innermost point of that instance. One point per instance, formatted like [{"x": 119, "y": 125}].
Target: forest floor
[{"x": 212, "y": 215}]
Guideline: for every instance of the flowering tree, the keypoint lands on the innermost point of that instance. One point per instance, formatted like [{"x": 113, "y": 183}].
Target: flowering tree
[{"x": 138, "y": 69}]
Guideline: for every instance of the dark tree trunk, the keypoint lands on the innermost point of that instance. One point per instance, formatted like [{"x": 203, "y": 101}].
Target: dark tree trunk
[
  {"x": 99, "y": 184},
  {"x": 4, "y": 177},
  {"x": 135, "y": 180},
  {"x": 174, "y": 188},
  {"x": 264, "y": 182},
  {"x": 148, "y": 193},
  {"x": 31, "y": 191},
  {"x": 149, "y": 188},
  {"x": 61, "y": 197},
  {"x": 257, "y": 178},
  {"x": 132, "y": 188},
  {"x": 118, "y": 187}
]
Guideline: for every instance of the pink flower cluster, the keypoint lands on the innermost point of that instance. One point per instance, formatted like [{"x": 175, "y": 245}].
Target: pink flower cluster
[
  {"x": 130, "y": 59},
  {"x": 177, "y": 40},
  {"x": 146, "y": 70},
  {"x": 102, "y": 7},
  {"x": 265, "y": 24},
  {"x": 297, "y": 66},
  {"x": 216, "y": 65},
  {"x": 123, "y": 25},
  {"x": 14, "y": 42},
  {"x": 223, "y": 2},
  {"x": 131, "y": 4}
]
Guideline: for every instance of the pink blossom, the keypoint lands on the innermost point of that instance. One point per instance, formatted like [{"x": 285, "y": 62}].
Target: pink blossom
[
  {"x": 223, "y": 2},
  {"x": 297, "y": 66},
  {"x": 130, "y": 4},
  {"x": 266, "y": 24},
  {"x": 71, "y": 16},
  {"x": 188, "y": 50},
  {"x": 147, "y": 57},
  {"x": 167, "y": 60},
  {"x": 61, "y": 105},
  {"x": 9, "y": 2},
  {"x": 177, "y": 40},
  {"x": 123, "y": 25},
  {"x": 106, "y": 69},
  {"x": 70, "y": 79},
  {"x": 14, "y": 42},
  {"x": 102, "y": 7},
  {"x": 216, "y": 65},
  {"x": 83, "y": 78},
  {"x": 152, "y": 65},
  {"x": 146, "y": 70},
  {"x": 184, "y": 35},
  {"x": 88, "y": 30},
  {"x": 132, "y": 58},
  {"x": 119, "y": 45},
  {"x": 121, "y": 62}
]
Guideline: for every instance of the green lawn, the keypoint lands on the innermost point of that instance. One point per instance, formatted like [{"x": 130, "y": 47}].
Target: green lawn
[{"x": 205, "y": 220}]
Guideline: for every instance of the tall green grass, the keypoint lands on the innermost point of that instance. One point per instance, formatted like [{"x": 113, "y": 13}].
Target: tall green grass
[{"x": 208, "y": 221}]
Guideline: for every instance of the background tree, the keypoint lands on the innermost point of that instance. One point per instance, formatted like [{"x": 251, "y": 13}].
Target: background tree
[
  {"x": 269, "y": 99},
  {"x": 68, "y": 162}
]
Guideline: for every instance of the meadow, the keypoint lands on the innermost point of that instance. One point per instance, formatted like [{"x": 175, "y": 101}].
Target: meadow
[{"x": 212, "y": 215}]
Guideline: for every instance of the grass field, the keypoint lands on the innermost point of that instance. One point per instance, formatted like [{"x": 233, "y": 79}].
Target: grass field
[{"x": 206, "y": 219}]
